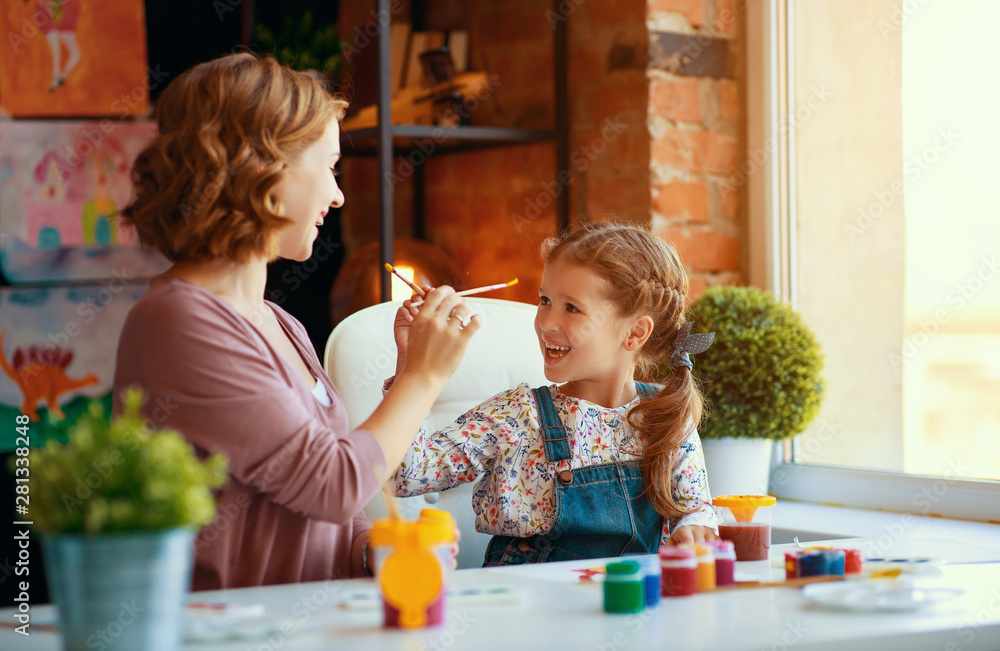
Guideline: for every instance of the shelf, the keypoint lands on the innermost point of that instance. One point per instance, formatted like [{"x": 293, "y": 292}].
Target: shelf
[{"x": 434, "y": 139}]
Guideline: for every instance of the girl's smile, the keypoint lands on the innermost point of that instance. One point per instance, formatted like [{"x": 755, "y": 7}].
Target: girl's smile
[{"x": 581, "y": 335}]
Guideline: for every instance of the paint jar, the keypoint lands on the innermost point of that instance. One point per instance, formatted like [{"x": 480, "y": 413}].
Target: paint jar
[
  {"x": 624, "y": 590},
  {"x": 746, "y": 521},
  {"x": 835, "y": 562},
  {"x": 411, "y": 560},
  {"x": 651, "y": 575},
  {"x": 814, "y": 562},
  {"x": 678, "y": 572},
  {"x": 725, "y": 562},
  {"x": 852, "y": 561},
  {"x": 706, "y": 568},
  {"x": 792, "y": 563}
]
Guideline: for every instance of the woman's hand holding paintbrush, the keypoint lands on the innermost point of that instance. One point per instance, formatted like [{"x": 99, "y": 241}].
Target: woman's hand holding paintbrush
[{"x": 461, "y": 316}]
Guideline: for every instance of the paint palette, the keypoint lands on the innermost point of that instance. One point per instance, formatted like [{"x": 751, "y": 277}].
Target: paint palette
[{"x": 876, "y": 595}]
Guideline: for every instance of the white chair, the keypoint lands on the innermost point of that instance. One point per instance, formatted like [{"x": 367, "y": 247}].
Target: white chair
[{"x": 361, "y": 354}]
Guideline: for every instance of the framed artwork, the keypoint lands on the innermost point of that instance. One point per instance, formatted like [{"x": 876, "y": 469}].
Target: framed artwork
[
  {"x": 73, "y": 58},
  {"x": 57, "y": 351},
  {"x": 61, "y": 187}
]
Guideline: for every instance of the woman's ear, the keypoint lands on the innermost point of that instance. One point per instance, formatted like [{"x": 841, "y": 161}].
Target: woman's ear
[{"x": 640, "y": 331}]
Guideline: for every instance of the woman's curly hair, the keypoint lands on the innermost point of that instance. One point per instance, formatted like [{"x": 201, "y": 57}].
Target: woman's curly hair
[{"x": 227, "y": 130}]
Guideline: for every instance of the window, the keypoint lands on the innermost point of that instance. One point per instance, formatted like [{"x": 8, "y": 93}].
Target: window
[{"x": 875, "y": 213}]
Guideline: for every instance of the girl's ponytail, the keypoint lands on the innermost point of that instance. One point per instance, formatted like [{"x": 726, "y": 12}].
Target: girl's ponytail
[{"x": 664, "y": 422}]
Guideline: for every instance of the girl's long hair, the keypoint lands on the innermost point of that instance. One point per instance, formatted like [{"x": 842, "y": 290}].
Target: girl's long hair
[{"x": 645, "y": 277}]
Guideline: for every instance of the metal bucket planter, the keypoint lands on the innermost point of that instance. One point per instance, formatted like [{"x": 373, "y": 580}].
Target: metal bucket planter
[{"x": 120, "y": 592}]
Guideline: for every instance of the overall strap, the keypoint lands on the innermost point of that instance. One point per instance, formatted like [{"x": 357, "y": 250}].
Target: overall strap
[{"x": 554, "y": 433}]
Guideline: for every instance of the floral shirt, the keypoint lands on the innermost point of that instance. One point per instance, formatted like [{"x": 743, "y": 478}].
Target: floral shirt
[{"x": 500, "y": 441}]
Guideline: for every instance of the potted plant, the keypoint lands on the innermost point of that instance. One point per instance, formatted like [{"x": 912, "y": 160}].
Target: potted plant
[
  {"x": 761, "y": 380},
  {"x": 118, "y": 507}
]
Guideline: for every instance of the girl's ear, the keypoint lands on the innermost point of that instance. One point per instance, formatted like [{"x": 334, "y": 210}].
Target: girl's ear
[{"x": 640, "y": 331}]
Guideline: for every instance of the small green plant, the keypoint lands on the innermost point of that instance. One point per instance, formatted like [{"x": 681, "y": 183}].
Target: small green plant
[
  {"x": 121, "y": 476},
  {"x": 301, "y": 44},
  {"x": 762, "y": 376}
]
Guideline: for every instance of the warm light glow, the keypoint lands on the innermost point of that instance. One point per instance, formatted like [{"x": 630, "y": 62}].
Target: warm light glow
[{"x": 400, "y": 290}]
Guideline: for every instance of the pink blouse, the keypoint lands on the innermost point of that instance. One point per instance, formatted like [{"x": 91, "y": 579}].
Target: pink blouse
[{"x": 298, "y": 479}]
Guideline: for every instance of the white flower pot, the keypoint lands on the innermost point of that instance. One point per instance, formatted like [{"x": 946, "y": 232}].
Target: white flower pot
[{"x": 738, "y": 466}]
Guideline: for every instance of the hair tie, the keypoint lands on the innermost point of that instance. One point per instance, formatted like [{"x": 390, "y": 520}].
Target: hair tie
[{"x": 685, "y": 344}]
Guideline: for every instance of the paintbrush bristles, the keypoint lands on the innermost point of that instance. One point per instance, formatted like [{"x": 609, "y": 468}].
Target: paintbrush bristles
[{"x": 411, "y": 284}]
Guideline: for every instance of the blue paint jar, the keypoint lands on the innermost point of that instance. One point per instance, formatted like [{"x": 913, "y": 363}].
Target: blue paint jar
[
  {"x": 835, "y": 562},
  {"x": 651, "y": 571},
  {"x": 814, "y": 563}
]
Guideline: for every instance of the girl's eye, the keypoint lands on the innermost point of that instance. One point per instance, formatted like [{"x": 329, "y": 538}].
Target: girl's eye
[
  {"x": 543, "y": 300},
  {"x": 571, "y": 308},
  {"x": 335, "y": 170}
]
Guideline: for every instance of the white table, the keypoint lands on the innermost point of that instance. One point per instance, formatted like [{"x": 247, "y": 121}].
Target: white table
[{"x": 555, "y": 613}]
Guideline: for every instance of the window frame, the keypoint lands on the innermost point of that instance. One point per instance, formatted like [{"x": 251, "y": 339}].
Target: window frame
[{"x": 771, "y": 218}]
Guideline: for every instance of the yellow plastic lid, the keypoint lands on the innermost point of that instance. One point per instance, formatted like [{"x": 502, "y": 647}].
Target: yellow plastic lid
[
  {"x": 744, "y": 507},
  {"x": 437, "y": 527},
  {"x": 702, "y": 550},
  {"x": 384, "y": 532}
]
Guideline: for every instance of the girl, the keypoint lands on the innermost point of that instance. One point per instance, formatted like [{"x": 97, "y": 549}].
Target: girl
[{"x": 596, "y": 464}]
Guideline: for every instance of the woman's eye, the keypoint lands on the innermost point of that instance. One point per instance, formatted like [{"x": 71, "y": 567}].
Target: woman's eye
[{"x": 335, "y": 170}]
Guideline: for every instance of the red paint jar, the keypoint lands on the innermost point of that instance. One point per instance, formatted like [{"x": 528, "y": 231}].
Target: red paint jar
[
  {"x": 679, "y": 572},
  {"x": 725, "y": 562},
  {"x": 852, "y": 561}
]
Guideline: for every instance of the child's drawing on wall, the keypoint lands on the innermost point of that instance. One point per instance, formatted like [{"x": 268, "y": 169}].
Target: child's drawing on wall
[
  {"x": 59, "y": 208},
  {"x": 60, "y": 32}
]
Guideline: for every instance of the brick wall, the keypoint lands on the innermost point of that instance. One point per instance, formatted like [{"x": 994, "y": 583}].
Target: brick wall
[
  {"x": 651, "y": 142},
  {"x": 696, "y": 129}
]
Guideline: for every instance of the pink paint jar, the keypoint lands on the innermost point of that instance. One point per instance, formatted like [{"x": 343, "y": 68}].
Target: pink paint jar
[{"x": 725, "y": 562}]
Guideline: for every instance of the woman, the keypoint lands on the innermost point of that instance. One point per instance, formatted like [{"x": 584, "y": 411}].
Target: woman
[{"x": 242, "y": 172}]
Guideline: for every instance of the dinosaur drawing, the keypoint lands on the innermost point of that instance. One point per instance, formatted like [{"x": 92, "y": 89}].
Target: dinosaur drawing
[{"x": 41, "y": 375}]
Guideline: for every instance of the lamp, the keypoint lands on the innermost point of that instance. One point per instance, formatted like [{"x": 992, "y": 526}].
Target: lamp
[{"x": 358, "y": 283}]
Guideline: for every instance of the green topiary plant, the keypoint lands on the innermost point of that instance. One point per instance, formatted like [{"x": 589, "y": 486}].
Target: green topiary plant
[
  {"x": 762, "y": 376},
  {"x": 120, "y": 476}
]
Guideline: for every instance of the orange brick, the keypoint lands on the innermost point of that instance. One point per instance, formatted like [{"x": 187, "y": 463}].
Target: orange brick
[
  {"x": 712, "y": 153},
  {"x": 729, "y": 100},
  {"x": 682, "y": 199},
  {"x": 693, "y": 10},
  {"x": 730, "y": 200},
  {"x": 673, "y": 148},
  {"x": 676, "y": 99},
  {"x": 726, "y": 17},
  {"x": 704, "y": 250}
]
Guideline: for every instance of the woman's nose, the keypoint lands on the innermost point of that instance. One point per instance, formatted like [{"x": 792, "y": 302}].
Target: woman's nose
[{"x": 338, "y": 196}]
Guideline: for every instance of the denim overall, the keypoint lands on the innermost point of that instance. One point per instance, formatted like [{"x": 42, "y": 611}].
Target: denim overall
[{"x": 600, "y": 510}]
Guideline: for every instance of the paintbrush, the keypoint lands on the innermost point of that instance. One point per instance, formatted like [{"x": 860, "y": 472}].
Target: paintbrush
[
  {"x": 466, "y": 292},
  {"x": 486, "y": 288},
  {"x": 416, "y": 288}
]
